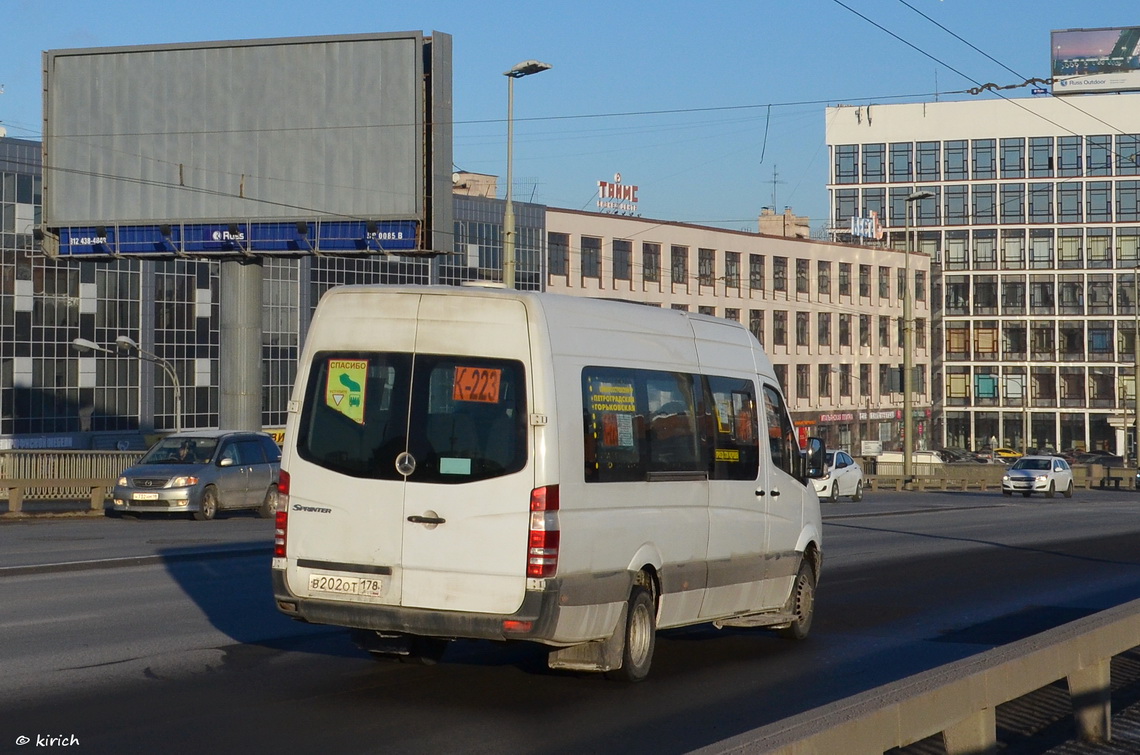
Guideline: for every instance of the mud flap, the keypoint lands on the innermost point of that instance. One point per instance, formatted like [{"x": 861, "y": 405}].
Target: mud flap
[{"x": 601, "y": 655}]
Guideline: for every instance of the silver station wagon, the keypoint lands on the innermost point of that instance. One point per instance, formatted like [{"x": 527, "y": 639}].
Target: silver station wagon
[{"x": 201, "y": 473}]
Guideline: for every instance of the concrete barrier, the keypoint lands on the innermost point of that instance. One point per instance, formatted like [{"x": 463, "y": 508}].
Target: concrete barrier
[{"x": 959, "y": 700}]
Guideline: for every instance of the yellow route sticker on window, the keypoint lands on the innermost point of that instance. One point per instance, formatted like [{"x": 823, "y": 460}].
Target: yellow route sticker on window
[
  {"x": 345, "y": 388},
  {"x": 476, "y": 384}
]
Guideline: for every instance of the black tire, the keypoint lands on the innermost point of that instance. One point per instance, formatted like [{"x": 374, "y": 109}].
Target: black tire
[
  {"x": 858, "y": 492},
  {"x": 640, "y": 637},
  {"x": 1069, "y": 490},
  {"x": 209, "y": 507},
  {"x": 833, "y": 496},
  {"x": 268, "y": 507},
  {"x": 1052, "y": 491},
  {"x": 801, "y": 603}
]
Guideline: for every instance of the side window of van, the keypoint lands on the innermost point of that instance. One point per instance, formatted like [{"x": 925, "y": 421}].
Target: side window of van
[
  {"x": 736, "y": 448},
  {"x": 640, "y": 422},
  {"x": 781, "y": 434}
]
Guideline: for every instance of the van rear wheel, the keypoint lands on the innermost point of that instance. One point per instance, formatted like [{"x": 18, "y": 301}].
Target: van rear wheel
[{"x": 640, "y": 637}]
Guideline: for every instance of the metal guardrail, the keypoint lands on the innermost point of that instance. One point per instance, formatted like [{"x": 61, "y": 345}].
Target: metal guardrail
[
  {"x": 61, "y": 475},
  {"x": 959, "y": 700}
]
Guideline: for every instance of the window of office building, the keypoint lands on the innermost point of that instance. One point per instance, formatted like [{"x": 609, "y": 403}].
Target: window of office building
[
  {"x": 920, "y": 285},
  {"x": 803, "y": 285},
  {"x": 957, "y": 205},
  {"x": 823, "y": 278},
  {"x": 706, "y": 266},
  {"x": 1128, "y": 246},
  {"x": 1042, "y": 298},
  {"x": 865, "y": 281},
  {"x": 591, "y": 258},
  {"x": 1099, "y": 298},
  {"x": 1041, "y": 203},
  {"x": 650, "y": 262},
  {"x": 1125, "y": 293},
  {"x": 844, "y": 278},
  {"x": 985, "y": 249},
  {"x": 1013, "y": 341},
  {"x": 679, "y": 269},
  {"x": 957, "y": 255},
  {"x": 957, "y": 340},
  {"x": 1013, "y": 249},
  {"x": 803, "y": 329},
  {"x": 1013, "y": 203},
  {"x": 957, "y": 291},
  {"x": 731, "y": 313},
  {"x": 984, "y": 159},
  {"x": 780, "y": 274},
  {"x": 900, "y": 283},
  {"x": 875, "y": 202},
  {"x": 1069, "y": 202},
  {"x": 847, "y": 163},
  {"x": 874, "y": 163},
  {"x": 557, "y": 253},
  {"x": 956, "y": 157},
  {"x": 1127, "y": 154},
  {"x": 846, "y": 205},
  {"x": 732, "y": 270},
  {"x": 985, "y": 204},
  {"x": 884, "y": 283},
  {"x": 704, "y": 310},
  {"x": 623, "y": 260},
  {"x": 1013, "y": 157},
  {"x": 864, "y": 330},
  {"x": 780, "y": 328},
  {"x": 927, "y": 162},
  {"x": 900, "y": 215},
  {"x": 803, "y": 381},
  {"x": 280, "y": 328},
  {"x": 1070, "y": 295},
  {"x": 985, "y": 295},
  {"x": 1041, "y": 157},
  {"x": 1127, "y": 201},
  {"x": 901, "y": 159},
  {"x": 1098, "y": 247},
  {"x": 756, "y": 272},
  {"x": 1069, "y": 156},
  {"x": 928, "y": 211},
  {"x": 1070, "y": 255},
  {"x": 823, "y": 328},
  {"x": 884, "y": 332},
  {"x": 844, "y": 329},
  {"x": 824, "y": 380},
  {"x": 1099, "y": 150},
  {"x": 781, "y": 371},
  {"x": 1040, "y": 249},
  {"x": 756, "y": 324},
  {"x": 1012, "y": 295}
]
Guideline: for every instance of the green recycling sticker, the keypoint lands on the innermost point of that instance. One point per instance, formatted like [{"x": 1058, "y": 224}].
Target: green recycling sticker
[{"x": 345, "y": 388}]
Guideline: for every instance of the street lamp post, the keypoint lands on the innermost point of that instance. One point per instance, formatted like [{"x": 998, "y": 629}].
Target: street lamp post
[
  {"x": 526, "y": 68},
  {"x": 908, "y": 343},
  {"x": 126, "y": 343}
]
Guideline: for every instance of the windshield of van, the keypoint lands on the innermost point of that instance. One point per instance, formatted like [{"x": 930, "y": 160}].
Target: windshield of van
[{"x": 461, "y": 419}]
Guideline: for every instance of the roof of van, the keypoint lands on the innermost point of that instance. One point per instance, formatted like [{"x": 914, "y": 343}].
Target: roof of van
[{"x": 561, "y": 310}]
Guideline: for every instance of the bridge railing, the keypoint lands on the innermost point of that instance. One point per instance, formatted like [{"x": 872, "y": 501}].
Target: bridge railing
[
  {"x": 958, "y": 701},
  {"x": 61, "y": 475}
]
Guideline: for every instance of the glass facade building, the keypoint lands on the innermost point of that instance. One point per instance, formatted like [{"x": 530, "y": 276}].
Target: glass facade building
[{"x": 1033, "y": 229}]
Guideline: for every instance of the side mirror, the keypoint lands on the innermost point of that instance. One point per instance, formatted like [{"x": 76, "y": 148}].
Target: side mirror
[
  {"x": 815, "y": 458},
  {"x": 226, "y": 461}
]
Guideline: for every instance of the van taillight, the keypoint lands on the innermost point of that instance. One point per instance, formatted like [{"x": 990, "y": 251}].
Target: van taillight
[
  {"x": 542, "y": 553},
  {"x": 281, "y": 518}
]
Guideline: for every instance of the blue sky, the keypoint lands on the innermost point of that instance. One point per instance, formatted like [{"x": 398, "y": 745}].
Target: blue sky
[{"x": 714, "y": 109}]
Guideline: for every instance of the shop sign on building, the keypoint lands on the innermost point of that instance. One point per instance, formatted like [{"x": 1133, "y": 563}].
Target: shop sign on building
[
  {"x": 616, "y": 197},
  {"x": 867, "y": 228}
]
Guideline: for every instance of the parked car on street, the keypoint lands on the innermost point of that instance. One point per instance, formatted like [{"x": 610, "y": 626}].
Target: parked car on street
[
  {"x": 1007, "y": 453},
  {"x": 1100, "y": 457},
  {"x": 844, "y": 477},
  {"x": 1040, "y": 474},
  {"x": 201, "y": 473}
]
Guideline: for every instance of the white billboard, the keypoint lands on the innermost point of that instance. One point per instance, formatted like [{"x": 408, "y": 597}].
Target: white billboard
[{"x": 1096, "y": 60}]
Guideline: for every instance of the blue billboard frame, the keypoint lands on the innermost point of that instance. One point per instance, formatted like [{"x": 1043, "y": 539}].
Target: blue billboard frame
[{"x": 242, "y": 239}]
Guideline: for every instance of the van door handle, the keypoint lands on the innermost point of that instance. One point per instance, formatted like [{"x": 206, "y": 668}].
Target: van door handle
[
  {"x": 426, "y": 520},
  {"x": 775, "y": 493},
  {"x": 760, "y": 494}
]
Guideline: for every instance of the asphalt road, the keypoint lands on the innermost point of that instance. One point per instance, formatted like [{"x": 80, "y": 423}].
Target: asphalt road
[{"x": 161, "y": 636}]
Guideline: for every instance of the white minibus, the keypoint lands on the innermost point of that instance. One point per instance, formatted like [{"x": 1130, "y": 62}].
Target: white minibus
[{"x": 470, "y": 462}]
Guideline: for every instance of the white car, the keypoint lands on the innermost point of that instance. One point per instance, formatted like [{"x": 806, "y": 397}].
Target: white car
[
  {"x": 844, "y": 478},
  {"x": 1041, "y": 474}
]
